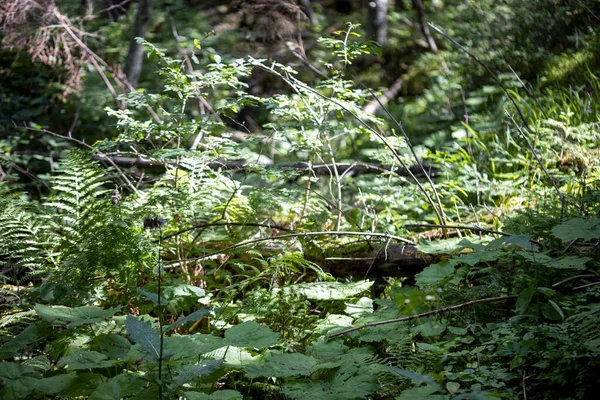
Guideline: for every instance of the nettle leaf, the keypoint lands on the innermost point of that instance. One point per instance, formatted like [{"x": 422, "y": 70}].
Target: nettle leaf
[
  {"x": 142, "y": 333},
  {"x": 281, "y": 365},
  {"x": 74, "y": 316},
  {"x": 86, "y": 360},
  {"x": 328, "y": 290},
  {"x": 578, "y": 228},
  {"x": 434, "y": 274},
  {"x": 251, "y": 334}
]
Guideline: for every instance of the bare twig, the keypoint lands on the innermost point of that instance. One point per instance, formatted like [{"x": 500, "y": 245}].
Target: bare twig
[
  {"x": 82, "y": 143},
  {"x": 572, "y": 278},
  {"x": 446, "y": 309},
  {"x": 385, "y": 97},
  {"x": 586, "y": 286}
]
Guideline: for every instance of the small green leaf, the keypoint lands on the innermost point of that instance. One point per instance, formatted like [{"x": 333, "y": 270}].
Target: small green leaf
[{"x": 153, "y": 297}]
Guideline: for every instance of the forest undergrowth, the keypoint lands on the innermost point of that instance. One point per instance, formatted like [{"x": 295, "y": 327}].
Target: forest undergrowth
[{"x": 328, "y": 256}]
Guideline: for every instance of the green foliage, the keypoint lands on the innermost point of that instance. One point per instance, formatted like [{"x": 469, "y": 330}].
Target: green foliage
[{"x": 202, "y": 282}]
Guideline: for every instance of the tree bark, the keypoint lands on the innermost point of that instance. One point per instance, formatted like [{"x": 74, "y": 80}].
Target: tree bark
[
  {"x": 133, "y": 63},
  {"x": 377, "y": 14}
]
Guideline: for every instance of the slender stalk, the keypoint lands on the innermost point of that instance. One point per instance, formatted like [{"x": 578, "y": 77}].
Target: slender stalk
[{"x": 160, "y": 322}]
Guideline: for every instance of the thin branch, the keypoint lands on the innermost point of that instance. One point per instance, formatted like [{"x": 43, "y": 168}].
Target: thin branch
[
  {"x": 451, "y": 308},
  {"x": 466, "y": 228},
  {"x": 572, "y": 278},
  {"x": 291, "y": 235},
  {"x": 425, "y": 314},
  {"x": 84, "y": 144},
  {"x": 586, "y": 286}
]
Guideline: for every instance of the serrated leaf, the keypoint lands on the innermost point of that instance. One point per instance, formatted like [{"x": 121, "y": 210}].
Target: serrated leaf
[
  {"x": 434, "y": 274},
  {"x": 578, "y": 228},
  {"x": 142, "y": 333},
  {"x": 251, "y": 334},
  {"x": 85, "y": 360},
  {"x": 74, "y": 316}
]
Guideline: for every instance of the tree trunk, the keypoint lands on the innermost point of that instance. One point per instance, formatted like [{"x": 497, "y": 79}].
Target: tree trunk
[
  {"x": 377, "y": 27},
  {"x": 133, "y": 63}
]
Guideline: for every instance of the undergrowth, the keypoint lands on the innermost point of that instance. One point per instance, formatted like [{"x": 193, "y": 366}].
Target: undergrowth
[{"x": 210, "y": 280}]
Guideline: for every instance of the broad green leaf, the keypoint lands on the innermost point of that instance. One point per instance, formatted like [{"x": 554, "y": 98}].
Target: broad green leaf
[
  {"x": 56, "y": 384},
  {"x": 187, "y": 373},
  {"x": 18, "y": 380},
  {"x": 552, "y": 311},
  {"x": 29, "y": 335},
  {"x": 422, "y": 393},
  {"x": 193, "y": 317},
  {"x": 476, "y": 257},
  {"x": 523, "y": 241},
  {"x": 74, "y": 316},
  {"x": 142, "y": 333},
  {"x": 328, "y": 290},
  {"x": 363, "y": 306},
  {"x": 119, "y": 387},
  {"x": 85, "y": 360},
  {"x": 251, "y": 334},
  {"x": 569, "y": 262},
  {"x": 114, "y": 346},
  {"x": 578, "y": 228},
  {"x": 153, "y": 297},
  {"x": 430, "y": 328},
  {"x": 434, "y": 274},
  {"x": 524, "y": 299},
  {"x": 226, "y": 395},
  {"x": 446, "y": 246},
  {"x": 280, "y": 365}
]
